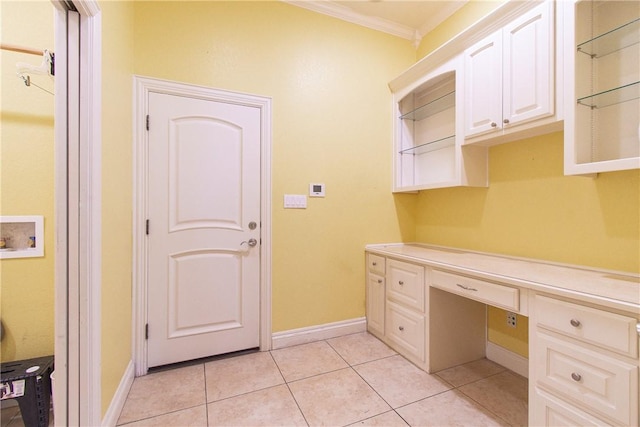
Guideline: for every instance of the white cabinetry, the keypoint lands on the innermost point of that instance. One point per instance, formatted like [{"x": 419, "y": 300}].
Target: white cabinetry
[
  {"x": 375, "y": 294},
  {"x": 602, "y": 116},
  {"x": 428, "y": 134},
  {"x": 509, "y": 76},
  {"x": 584, "y": 325},
  {"x": 405, "y": 310},
  {"x": 399, "y": 312},
  {"x": 583, "y": 366}
]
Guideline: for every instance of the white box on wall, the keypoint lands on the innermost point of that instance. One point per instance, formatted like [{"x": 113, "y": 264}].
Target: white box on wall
[{"x": 23, "y": 236}]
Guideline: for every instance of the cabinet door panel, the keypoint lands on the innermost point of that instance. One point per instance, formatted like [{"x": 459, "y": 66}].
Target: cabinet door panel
[
  {"x": 483, "y": 86},
  {"x": 375, "y": 304},
  {"x": 528, "y": 67}
]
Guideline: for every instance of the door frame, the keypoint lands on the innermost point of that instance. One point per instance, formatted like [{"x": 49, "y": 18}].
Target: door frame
[
  {"x": 142, "y": 87},
  {"x": 78, "y": 212}
]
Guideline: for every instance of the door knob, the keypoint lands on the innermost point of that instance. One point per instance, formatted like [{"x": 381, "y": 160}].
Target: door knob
[{"x": 251, "y": 243}]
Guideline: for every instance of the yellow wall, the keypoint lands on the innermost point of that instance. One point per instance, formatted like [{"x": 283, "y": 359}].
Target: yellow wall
[
  {"x": 531, "y": 209},
  {"x": 117, "y": 69},
  {"x": 459, "y": 21},
  {"x": 26, "y": 180},
  {"x": 331, "y": 108}
]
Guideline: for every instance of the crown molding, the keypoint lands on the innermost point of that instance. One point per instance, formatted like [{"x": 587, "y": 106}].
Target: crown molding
[
  {"x": 346, "y": 14},
  {"x": 438, "y": 18}
]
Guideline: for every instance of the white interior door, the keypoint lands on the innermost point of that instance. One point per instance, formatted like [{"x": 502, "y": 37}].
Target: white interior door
[{"x": 204, "y": 228}]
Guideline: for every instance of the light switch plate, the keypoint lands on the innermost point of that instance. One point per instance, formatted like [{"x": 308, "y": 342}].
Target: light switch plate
[{"x": 295, "y": 201}]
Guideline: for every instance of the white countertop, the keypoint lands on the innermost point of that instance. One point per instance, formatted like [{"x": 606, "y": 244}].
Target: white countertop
[{"x": 613, "y": 289}]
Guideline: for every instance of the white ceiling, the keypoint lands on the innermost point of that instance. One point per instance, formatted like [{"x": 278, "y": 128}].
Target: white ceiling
[{"x": 408, "y": 19}]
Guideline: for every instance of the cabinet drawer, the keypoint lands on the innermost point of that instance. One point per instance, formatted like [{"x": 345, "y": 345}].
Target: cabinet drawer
[
  {"x": 406, "y": 328},
  {"x": 479, "y": 290},
  {"x": 406, "y": 284},
  {"x": 551, "y": 411},
  {"x": 600, "y": 383},
  {"x": 375, "y": 263},
  {"x": 607, "y": 330}
]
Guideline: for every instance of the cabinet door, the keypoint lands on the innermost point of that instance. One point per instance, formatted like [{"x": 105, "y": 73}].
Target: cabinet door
[
  {"x": 483, "y": 86},
  {"x": 375, "y": 304},
  {"x": 528, "y": 67}
]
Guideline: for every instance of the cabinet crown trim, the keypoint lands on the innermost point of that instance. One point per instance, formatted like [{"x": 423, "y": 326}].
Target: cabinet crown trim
[{"x": 491, "y": 22}]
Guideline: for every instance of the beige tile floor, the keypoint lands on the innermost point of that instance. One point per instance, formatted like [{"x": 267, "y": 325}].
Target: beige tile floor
[{"x": 350, "y": 380}]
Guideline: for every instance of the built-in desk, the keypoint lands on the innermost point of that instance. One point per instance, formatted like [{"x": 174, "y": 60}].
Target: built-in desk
[{"x": 429, "y": 304}]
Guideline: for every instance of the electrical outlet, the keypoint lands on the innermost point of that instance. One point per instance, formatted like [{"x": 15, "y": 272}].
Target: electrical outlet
[{"x": 511, "y": 319}]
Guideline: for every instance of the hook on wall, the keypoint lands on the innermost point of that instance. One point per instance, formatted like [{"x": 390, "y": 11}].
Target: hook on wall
[{"x": 47, "y": 67}]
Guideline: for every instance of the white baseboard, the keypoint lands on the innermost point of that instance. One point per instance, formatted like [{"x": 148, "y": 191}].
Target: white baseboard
[
  {"x": 117, "y": 403},
  {"x": 317, "y": 333},
  {"x": 508, "y": 359}
]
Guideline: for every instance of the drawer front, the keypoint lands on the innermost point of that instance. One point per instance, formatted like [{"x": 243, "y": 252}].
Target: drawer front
[
  {"x": 375, "y": 263},
  {"x": 607, "y": 330},
  {"x": 405, "y": 328},
  {"x": 600, "y": 383},
  {"x": 406, "y": 283},
  {"x": 548, "y": 410},
  {"x": 479, "y": 290}
]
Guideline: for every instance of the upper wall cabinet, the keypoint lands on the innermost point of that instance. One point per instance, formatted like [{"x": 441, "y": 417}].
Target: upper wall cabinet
[
  {"x": 509, "y": 76},
  {"x": 602, "y": 114},
  {"x": 428, "y": 134},
  {"x": 492, "y": 83}
]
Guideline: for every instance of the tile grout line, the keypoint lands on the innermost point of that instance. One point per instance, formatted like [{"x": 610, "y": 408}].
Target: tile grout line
[
  {"x": 206, "y": 396},
  {"x": 370, "y": 386},
  {"x": 286, "y": 383}
]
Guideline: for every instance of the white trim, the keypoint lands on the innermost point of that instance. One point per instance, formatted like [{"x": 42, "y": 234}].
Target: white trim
[
  {"x": 318, "y": 332},
  {"x": 120, "y": 397},
  {"x": 508, "y": 359},
  {"x": 91, "y": 216},
  {"x": 377, "y": 23},
  {"x": 77, "y": 393},
  {"x": 142, "y": 87},
  {"x": 346, "y": 14},
  {"x": 485, "y": 26},
  {"x": 61, "y": 317}
]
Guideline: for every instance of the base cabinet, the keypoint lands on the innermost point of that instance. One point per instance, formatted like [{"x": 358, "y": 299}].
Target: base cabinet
[
  {"x": 409, "y": 315},
  {"x": 583, "y": 365},
  {"x": 429, "y": 304},
  {"x": 375, "y": 294}
]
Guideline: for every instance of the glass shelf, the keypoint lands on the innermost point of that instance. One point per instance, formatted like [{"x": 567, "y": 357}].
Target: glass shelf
[
  {"x": 612, "y": 96},
  {"x": 434, "y": 107},
  {"x": 431, "y": 146},
  {"x": 619, "y": 38}
]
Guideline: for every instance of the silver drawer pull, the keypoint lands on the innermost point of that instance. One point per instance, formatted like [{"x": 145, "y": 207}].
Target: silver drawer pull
[
  {"x": 576, "y": 376},
  {"x": 401, "y": 328},
  {"x": 400, "y": 282},
  {"x": 466, "y": 288},
  {"x": 379, "y": 280},
  {"x": 575, "y": 323}
]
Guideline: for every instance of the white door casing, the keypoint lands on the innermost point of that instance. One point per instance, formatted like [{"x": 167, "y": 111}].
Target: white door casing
[
  {"x": 78, "y": 189},
  {"x": 230, "y": 250},
  {"x": 204, "y": 213}
]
